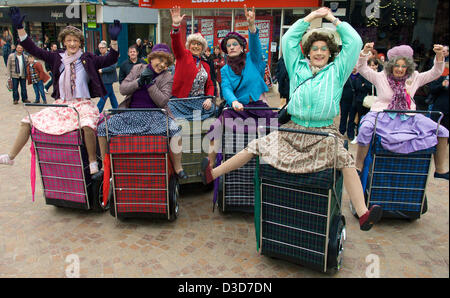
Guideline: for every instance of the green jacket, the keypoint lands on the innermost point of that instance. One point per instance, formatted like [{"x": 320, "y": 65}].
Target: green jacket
[{"x": 316, "y": 102}]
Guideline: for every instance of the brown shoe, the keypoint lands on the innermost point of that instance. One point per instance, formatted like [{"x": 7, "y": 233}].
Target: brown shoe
[
  {"x": 15, "y": 102},
  {"x": 26, "y": 101}
]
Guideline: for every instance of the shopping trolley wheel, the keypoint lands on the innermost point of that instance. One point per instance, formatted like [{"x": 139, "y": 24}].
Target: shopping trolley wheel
[
  {"x": 336, "y": 244},
  {"x": 174, "y": 191},
  {"x": 97, "y": 193}
]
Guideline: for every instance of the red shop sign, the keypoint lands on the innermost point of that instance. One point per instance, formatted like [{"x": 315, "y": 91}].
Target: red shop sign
[{"x": 165, "y": 4}]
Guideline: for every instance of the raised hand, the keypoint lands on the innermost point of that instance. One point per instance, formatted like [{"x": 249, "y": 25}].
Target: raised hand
[
  {"x": 250, "y": 15},
  {"x": 438, "y": 49},
  {"x": 177, "y": 18},
  {"x": 16, "y": 17},
  {"x": 114, "y": 29},
  {"x": 368, "y": 47},
  {"x": 322, "y": 12}
]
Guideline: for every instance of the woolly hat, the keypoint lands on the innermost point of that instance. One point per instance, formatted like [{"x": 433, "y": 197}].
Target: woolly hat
[
  {"x": 233, "y": 35},
  {"x": 400, "y": 51},
  {"x": 161, "y": 47},
  {"x": 196, "y": 37}
]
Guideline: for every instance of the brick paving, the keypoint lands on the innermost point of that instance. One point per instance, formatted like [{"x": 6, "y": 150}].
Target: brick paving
[{"x": 38, "y": 240}]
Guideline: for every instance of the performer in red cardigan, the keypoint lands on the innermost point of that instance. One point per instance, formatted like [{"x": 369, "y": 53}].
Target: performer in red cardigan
[{"x": 191, "y": 77}]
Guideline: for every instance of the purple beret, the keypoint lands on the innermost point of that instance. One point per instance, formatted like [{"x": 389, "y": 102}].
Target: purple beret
[
  {"x": 161, "y": 47},
  {"x": 233, "y": 35},
  {"x": 400, "y": 51}
]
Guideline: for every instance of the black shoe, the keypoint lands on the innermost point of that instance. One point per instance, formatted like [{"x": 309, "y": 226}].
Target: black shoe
[
  {"x": 182, "y": 175},
  {"x": 36, "y": 101},
  {"x": 26, "y": 101},
  {"x": 442, "y": 176},
  {"x": 98, "y": 175}
]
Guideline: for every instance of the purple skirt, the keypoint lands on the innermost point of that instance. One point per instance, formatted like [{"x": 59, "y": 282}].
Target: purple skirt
[
  {"x": 415, "y": 133},
  {"x": 246, "y": 121}
]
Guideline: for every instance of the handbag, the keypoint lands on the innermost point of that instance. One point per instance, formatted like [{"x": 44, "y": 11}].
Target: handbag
[
  {"x": 9, "y": 84},
  {"x": 369, "y": 100}
]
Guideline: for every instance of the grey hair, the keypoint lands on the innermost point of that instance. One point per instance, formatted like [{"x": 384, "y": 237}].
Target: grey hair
[{"x": 411, "y": 65}]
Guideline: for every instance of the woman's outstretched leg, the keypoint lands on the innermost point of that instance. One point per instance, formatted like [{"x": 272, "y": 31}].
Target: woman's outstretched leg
[
  {"x": 440, "y": 157},
  {"x": 21, "y": 139},
  {"x": 231, "y": 164},
  {"x": 353, "y": 186},
  {"x": 90, "y": 139}
]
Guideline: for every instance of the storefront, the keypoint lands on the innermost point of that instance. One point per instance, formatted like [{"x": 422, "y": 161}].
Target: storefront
[
  {"x": 420, "y": 23},
  {"x": 214, "y": 19},
  {"x": 136, "y": 23},
  {"x": 43, "y": 20}
]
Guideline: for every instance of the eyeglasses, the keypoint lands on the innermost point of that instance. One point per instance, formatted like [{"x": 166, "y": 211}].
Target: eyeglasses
[
  {"x": 402, "y": 66},
  {"x": 322, "y": 48},
  {"x": 162, "y": 65},
  {"x": 234, "y": 44}
]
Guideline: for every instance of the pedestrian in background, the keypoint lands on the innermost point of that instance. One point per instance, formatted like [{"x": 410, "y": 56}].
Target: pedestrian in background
[
  {"x": 283, "y": 80},
  {"x": 53, "y": 48},
  {"x": 133, "y": 59},
  {"x": 7, "y": 37},
  {"x": 348, "y": 105},
  {"x": 36, "y": 76},
  {"x": 109, "y": 77},
  {"x": 219, "y": 62},
  {"x": 16, "y": 69}
]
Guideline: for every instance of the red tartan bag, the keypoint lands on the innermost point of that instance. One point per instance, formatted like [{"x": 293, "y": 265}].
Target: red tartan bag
[{"x": 9, "y": 84}]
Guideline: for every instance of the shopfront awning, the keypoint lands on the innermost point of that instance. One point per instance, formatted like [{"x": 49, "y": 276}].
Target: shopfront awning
[{"x": 165, "y": 4}]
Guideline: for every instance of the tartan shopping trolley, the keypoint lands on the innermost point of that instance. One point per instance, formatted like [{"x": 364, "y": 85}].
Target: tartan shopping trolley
[
  {"x": 396, "y": 182},
  {"x": 64, "y": 168},
  {"x": 143, "y": 183},
  {"x": 234, "y": 191},
  {"x": 193, "y": 135},
  {"x": 298, "y": 216}
]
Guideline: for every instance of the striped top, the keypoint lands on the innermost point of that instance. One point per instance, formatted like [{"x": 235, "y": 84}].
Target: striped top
[{"x": 316, "y": 102}]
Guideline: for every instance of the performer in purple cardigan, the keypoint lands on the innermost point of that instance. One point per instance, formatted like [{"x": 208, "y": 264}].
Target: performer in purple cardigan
[{"x": 76, "y": 81}]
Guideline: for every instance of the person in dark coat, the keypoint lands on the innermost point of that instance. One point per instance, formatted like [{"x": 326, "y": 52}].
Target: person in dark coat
[
  {"x": 348, "y": 105},
  {"x": 283, "y": 79},
  {"x": 439, "y": 91},
  {"x": 133, "y": 59}
]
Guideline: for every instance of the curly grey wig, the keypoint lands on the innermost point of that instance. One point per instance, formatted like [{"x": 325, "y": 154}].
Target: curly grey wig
[{"x": 411, "y": 65}]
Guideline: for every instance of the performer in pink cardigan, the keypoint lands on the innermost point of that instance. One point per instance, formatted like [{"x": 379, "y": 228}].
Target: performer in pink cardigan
[{"x": 396, "y": 86}]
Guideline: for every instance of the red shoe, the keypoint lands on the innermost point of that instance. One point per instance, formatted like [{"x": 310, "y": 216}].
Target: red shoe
[
  {"x": 370, "y": 218},
  {"x": 206, "y": 171}
]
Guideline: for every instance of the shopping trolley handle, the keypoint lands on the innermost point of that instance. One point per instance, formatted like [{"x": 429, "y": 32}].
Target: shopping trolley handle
[
  {"x": 308, "y": 132},
  {"x": 254, "y": 108},
  {"x": 116, "y": 111},
  {"x": 410, "y": 111},
  {"x": 45, "y": 105},
  {"x": 192, "y": 98}
]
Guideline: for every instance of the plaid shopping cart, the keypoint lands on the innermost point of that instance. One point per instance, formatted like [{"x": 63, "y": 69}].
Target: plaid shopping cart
[
  {"x": 64, "y": 168},
  {"x": 298, "y": 216},
  {"x": 396, "y": 182},
  {"x": 143, "y": 181}
]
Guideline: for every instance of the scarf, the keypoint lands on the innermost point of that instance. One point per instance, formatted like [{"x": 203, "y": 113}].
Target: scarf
[
  {"x": 68, "y": 76},
  {"x": 401, "y": 99},
  {"x": 17, "y": 63},
  {"x": 237, "y": 64}
]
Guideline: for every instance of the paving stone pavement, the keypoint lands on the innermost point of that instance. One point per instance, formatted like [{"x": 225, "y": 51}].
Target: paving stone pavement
[{"x": 38, "y": 240}]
